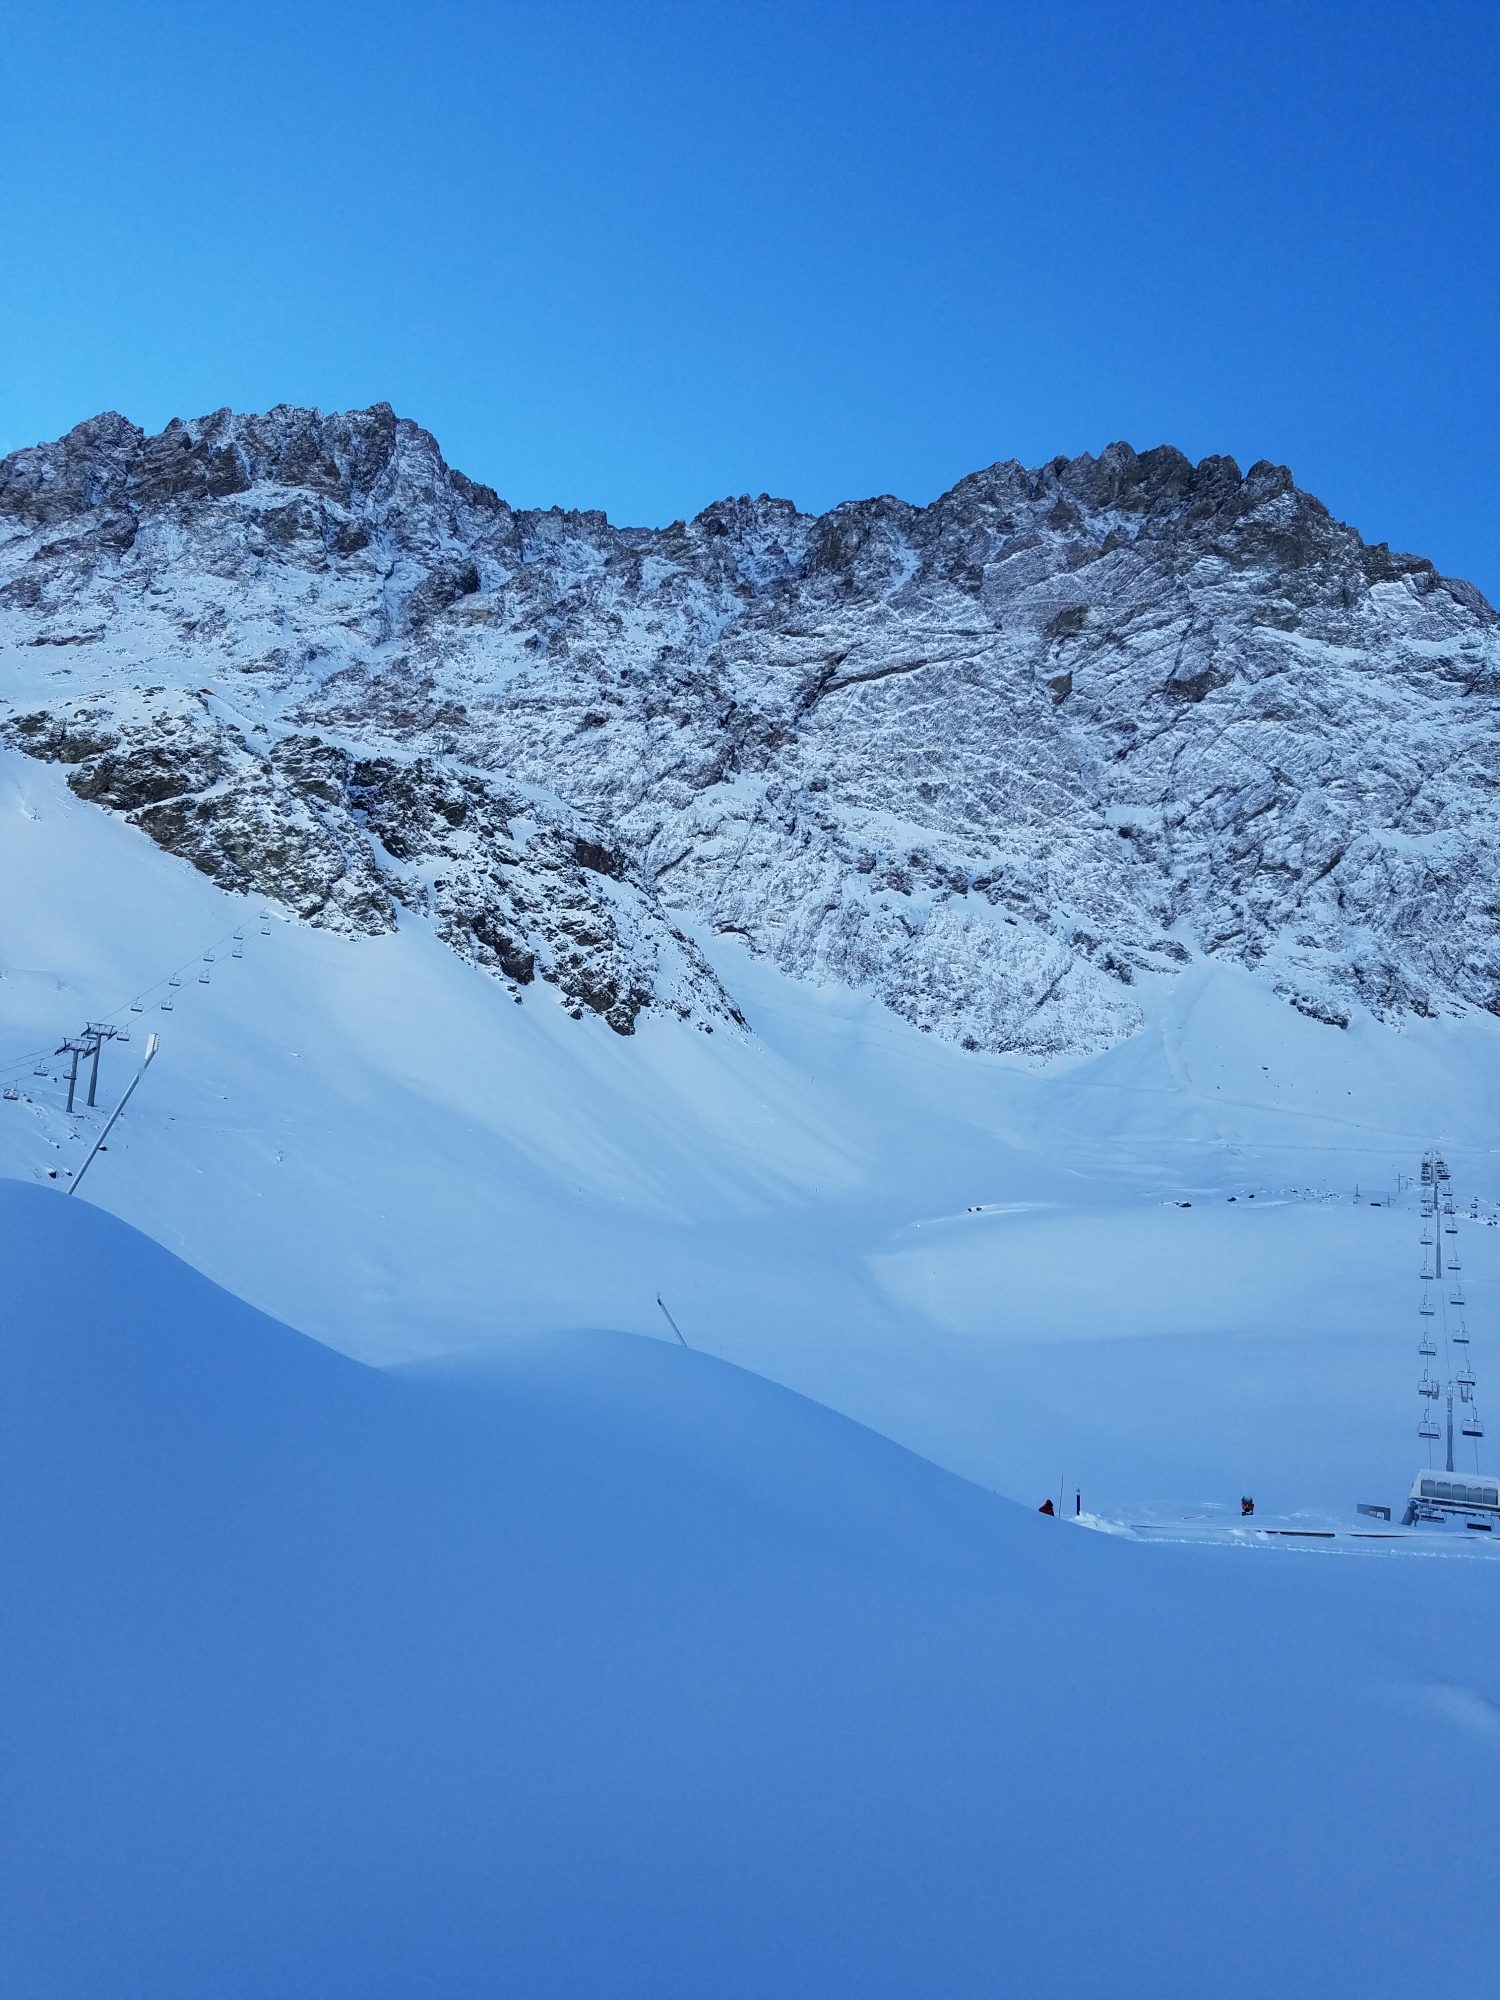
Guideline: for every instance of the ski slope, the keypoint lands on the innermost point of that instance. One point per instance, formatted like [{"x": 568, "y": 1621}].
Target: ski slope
[
  {"x": 586, "y": 1665},
  {"x": 985, "y": 1261}
]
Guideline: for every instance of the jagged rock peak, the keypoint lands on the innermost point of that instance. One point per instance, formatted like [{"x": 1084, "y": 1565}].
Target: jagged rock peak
[{"x": 356, "y": 457}]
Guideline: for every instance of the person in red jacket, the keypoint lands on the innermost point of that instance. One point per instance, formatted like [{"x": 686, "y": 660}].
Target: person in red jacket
[{"x": 1047, "y": 1508}]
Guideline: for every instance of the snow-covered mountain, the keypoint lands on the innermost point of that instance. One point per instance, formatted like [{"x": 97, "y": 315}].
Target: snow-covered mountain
[
  {"x": 989, "y": 761},
  {"x": 326, "y": 1677}
]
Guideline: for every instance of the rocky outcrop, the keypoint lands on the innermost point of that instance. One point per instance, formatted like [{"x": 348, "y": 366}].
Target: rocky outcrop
[
  {"x": 996, "y": 761},
  {"x": 513, "y": 883}
]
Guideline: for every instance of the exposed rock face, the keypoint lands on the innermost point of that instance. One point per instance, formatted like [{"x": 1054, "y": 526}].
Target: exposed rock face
[{"x": 989, "y": 760}]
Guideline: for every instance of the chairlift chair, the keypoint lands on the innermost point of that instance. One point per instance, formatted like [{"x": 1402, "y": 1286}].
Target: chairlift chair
[
  {"x": 1428, "y": 1428},
  {"x": 203, "y": 979},
  {"x": 1465, "y": 1380},
  {"x": 41, "y": 1069},
  {"x": 1471, "y": 1427},
  {"x": 1461, "y": 1337},
  {"x": 1427, "y": 1387},
  {"x": 175, "y": 980},
  {"x": 137, "y": 1006},
  {"x": 11, "y": 1092},
  {"x": 166, "y": 1005},
  {"x": 208, "y": 958},
  {"x": 237, "y": 952},
  {"x": 1427, "y": 1347}
]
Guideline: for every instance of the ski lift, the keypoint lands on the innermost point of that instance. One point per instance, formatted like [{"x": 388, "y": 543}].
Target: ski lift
[
  {"x": 175, "y": 980},
  {"x": 1426, "y": 1239},
  {"x": 1427, "y": 1347},
  {"x": 137, "y": 1006},
  {"x": 265, "y": 930},
  {"x": 1427, "y": 1387},
  {"x": 166, "y": 1005},
  {"x": 1461, "y": 1337},
  {"x": 11, "y": 1092},
  {"x": 238, "y": 952},
  {"x": 1426, "y": 1172},
  {"x": 1453, "y": 1263},
  {"x": 1465, "y": 1380},
  {"x": 203, "y": 979},
  {"x": 1428, "y": 1427},
  {"x": 41, "y": 1070},
  {"x": 1425, "y": 1311},
  {"x": 1471, "y": 1427},
  {"x": 1427, "y": 1275},
  {"x": 208, "y": 958},
  {"x": 1456, "y": 1296},
  {"x": 239, "y": 937}
]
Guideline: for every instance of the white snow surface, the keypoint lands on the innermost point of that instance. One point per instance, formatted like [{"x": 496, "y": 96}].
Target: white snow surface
[
  {"x": 586, "y": 1665},
  {"x": 368, "y": 1139}
]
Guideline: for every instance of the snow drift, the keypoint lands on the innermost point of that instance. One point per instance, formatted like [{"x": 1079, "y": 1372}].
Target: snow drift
[{"x": 600, "y": 1667}]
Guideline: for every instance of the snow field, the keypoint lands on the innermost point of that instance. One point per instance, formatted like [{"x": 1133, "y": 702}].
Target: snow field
[
  {"x": 584, "y": 1664},
  {"x": 985, "y": 1261}
]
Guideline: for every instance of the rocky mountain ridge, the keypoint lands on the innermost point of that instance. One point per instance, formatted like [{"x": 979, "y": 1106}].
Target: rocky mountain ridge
[{"x": 991, "y": 760}]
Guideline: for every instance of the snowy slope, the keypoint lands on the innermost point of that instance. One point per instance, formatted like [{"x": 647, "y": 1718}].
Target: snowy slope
[
  {"x": 367, "y": 1138},
  {"x": 595, "y": 1666}
]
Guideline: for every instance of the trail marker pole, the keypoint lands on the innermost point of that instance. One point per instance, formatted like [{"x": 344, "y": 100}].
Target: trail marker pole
[
  {"x": 153, "y": 1043},
  {"x": 670, "y": 1321}
]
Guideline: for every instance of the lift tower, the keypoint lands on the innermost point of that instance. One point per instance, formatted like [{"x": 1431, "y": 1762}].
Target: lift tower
[{"x": 1442, "y": 1312}]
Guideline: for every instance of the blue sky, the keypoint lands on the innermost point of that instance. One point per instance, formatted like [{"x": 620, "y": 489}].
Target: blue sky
[{"x": 640, "y": 256}]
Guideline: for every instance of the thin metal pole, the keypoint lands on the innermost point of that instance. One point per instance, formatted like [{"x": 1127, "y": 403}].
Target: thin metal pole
[
  {"x": 670, "y": 1321},
  {"x": 153, "y": 1043}
]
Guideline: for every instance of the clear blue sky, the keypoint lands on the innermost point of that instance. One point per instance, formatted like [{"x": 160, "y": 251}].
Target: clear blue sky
[{"x": 641, "y": 255}]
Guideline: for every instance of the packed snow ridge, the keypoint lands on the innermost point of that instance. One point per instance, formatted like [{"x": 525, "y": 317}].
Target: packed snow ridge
[{"x": 989, "y": 760}]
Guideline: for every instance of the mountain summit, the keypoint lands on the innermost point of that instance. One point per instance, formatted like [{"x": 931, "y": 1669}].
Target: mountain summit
[{"x": 992, "y": 761}]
